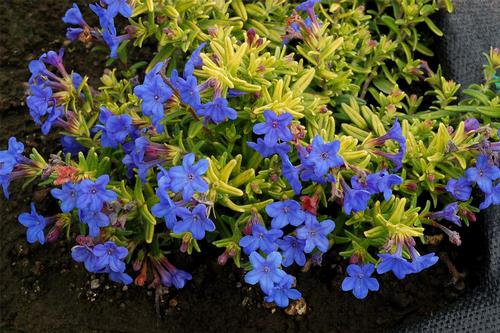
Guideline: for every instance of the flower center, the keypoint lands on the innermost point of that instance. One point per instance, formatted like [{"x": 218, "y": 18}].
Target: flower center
[
  {"x": 274, "y": 124},
  {"x": 93, "y": 190},
  {"x": 260, "y": 235},
  {"x": 312, "y": 233},
  {"x": 190, "y": 176},
  {"x": 156, "y": 97},
  {"x": 266, "y": 269},
  {"x": 324, "y": 155}
]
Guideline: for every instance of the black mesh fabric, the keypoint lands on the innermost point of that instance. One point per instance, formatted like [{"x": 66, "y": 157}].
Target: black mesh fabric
[
  {"x": 479, "y": 310},
  {"x": 470, "y": 31}
]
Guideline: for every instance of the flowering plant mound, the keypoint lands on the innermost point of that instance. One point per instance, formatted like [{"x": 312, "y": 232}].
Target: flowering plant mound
[{"x": 274, "y": 131}]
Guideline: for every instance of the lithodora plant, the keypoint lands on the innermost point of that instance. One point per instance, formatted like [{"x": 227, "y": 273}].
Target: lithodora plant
[{"x": 274, "y": 131}]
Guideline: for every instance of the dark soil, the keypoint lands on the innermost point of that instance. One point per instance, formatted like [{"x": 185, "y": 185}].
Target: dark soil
[{"x": 43, "y": 290}]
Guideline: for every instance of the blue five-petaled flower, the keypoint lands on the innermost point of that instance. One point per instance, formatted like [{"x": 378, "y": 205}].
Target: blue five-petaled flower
[
  {"x": 293, "y": 250},
  {"x": 265, "y": 271},
  {"x": 110, "y": 255},
  {"x": 154, "y": 92},
  {"x": 284, "y": 213},
  {"x": 194, "y": 221},
  {"x": 35, "y": 224},
  {"x": 92, "y": 195},
  {"x": 187, "y": 178},
  {"x": 483, "y": 174},
  {"x": 68, "y": 195},
  {"x": 359, "y": 280},
  {"x": 315, "y": 233},
  {"x": 324, "y": 156},
  {"x": 274, "y": 128}
]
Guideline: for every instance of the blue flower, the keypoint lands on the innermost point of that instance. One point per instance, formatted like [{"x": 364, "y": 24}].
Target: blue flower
[
  {"x": 460, "y": 188},
  {"x": 282, "y": 292},
  {"x": 38, "y": 102},
  {"x": 9, "y": 158},
  {"x": 261, "y": 239},
  {"x": 73, "y": 33},
  {"x": 71, "y": 145},
  {"x": 144, "y": 155},
  {"x": 118, "y": 6},
  {"x": 235, "y": 93},
  {"x": 293, "y": 250},
  {"x": 38, "y": 70},
  {"x": 187, "y": 88},
  {"x": 93, "y": 195},
  {"x": 274, "y": 128},
  {"x": 307, "y": 5},
  {"x": 383, "y": 182},
  {"x": 355, "y": 200},
  {"x": 95, "y": 220},
  {"x": 165, "y": 276},
  {"x": 68, "y": 195},
  {"x": 179, "y": 277},
  {"x": 449, "y": 213},
  {"x": 194, "y": 61},
  {"x": 324, "y": 156},
  {"x": 419, "y": 262},
  {"x": 53, "y": 58},
  {"x": 471, "y": 124},
  {"x": 120, "y": 277},
  {"x": 163, "y": 179},
  {"x": 195, "y": 221},
  {"x": 115, "y": 128},
  {"x": 395, "y": 263},
  {"x": 308, "y": 174},
  {"x": 491, "y": 198},
  {"x": 315, "y": 233},
  {"x": 5, "y": 182},
  {"x": 113, "y": 42},
  {"x": 266, "y": 271},
  {"x": 395, "y": 133},
  {"x": 483, "y": 174},
  {"x": 266, "y": 151},
  {"x": 360, "y": 280},
  {"x": 35, "y": 224},
  {"x": 54, "y": 117},
  {"x": 396, "y": 159},
  {"x": 154, "y": 92},
  {"x": 217, "y": 110},
  {"x": 368, "y": 184},
  {"x": 284, "y": 213},
  {"x": 74, "y": 16},
  {"x": 188, "y": 177},
  {"x": 110, "y": 255},
  {"x": 291, "y": 174},
  {"x": 105, "y": 19},
  {"x": 165, "y": 209},
  {"x": 84, "y": 254}
]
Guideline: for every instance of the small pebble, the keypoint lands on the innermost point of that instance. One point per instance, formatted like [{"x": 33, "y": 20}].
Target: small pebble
[
  {"x": 94, "y": 284},
  {"x": 297, "y": 308}
]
